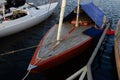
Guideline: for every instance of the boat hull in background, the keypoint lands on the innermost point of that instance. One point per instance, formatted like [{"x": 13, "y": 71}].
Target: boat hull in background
[{"x": 33, "y": 17}]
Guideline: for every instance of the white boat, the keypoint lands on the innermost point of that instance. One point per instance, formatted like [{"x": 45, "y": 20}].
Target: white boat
[{"x": 24, "y": 17}]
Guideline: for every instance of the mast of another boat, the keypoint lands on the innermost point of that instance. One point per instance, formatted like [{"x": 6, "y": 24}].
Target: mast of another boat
[
  {"x": 3, "y": 8},
  {"x": 61, "y": 20}
]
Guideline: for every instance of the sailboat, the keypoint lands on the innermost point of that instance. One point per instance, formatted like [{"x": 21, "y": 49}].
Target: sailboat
[
  {"x": 68, "y": 38},
  {"x": 117, "y": 48},
  {"x": 15, "y": 18}
]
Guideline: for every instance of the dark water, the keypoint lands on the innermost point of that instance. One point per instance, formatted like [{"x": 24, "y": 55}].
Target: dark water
[{"x": 13, "y": 66}]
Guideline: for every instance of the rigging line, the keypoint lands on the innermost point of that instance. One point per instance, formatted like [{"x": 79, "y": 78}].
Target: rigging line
[
  {"x": 26, "y": 75},
  {"x": 31, "y": 69},
  {"x": 49, "y": 4},
  {"x": 14, "y": 51}
]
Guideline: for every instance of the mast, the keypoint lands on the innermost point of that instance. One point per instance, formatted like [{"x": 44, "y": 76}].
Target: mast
[
  {"x": 61, "y": 19},
  {"x": 3, "y": 9},
  {"x": 77, "y": 16}
]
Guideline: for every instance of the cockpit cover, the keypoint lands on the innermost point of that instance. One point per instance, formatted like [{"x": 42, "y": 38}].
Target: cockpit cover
[{"x": 94, "y": 13}]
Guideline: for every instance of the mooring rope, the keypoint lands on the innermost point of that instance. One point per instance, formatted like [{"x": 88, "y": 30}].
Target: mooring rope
[
  {"x": 26, "y": 75},
  {"x": 14, "y": 51},
  {"x": 30, "y": 69},
  {"x": 18, "y": 50}
]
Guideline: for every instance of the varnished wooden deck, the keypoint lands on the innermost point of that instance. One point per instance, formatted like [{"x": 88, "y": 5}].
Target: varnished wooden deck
[{"x": 75, "y": 38}]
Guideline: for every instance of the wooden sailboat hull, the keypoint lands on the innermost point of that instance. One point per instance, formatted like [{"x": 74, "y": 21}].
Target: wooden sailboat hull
[
  {"x": 74, "y": 41},
  {"x": 33, "y": 17},
  {"x": 62, "y": 57},
  {"x": 117, "y": 48}
]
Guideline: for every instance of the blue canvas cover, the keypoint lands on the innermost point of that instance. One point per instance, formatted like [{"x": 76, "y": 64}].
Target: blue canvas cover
[
  {"x": 92, "y": 32},
  {"x": 94, "y": 13}
]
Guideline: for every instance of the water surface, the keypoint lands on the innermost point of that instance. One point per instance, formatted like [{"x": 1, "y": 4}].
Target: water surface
[{"x": 13, "y": 66}]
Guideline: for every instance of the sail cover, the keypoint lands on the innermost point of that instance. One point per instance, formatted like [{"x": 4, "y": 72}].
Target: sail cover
[{"x": 94, "y": 13}]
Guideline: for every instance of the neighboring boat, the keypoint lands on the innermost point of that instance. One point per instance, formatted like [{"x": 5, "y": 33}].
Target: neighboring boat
[
  {"x": 74, "y": 36},
  {"x": 117, "y": 48},
  {"x": 16, "y": 19}
]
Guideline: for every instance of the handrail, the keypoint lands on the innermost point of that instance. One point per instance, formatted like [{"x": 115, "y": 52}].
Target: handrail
[
  {"x": 87, "y": 68},
  {"x": 77, "y": 73},
  {"x": 89, "y": 74}
]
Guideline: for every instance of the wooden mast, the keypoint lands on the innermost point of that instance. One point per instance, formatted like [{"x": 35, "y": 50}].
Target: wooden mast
[
  {"x": 77, "y": 16},
  {"x": 61, "y": 20}
]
